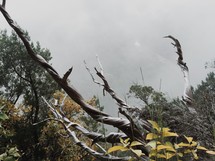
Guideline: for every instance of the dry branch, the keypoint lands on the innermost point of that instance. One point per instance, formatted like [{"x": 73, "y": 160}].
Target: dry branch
[
  {"x": 124, "y": 108},
  {"x": 187, "y": 97},
  {"x": 122, "y": 124},
  {"x": 96, "y": 137}
]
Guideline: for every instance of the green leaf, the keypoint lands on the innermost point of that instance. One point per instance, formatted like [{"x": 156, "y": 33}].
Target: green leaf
[
  {"x": 152, "y": 144},
  {"x": 9, "y": 158},
  {"x": 2, "y": 156},
  {"x": 3, "y": 116},
  {"x": 14, "y": 152}
]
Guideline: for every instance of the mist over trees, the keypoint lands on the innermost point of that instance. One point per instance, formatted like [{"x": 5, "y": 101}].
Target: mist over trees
[{"x": 54, "y": 122}]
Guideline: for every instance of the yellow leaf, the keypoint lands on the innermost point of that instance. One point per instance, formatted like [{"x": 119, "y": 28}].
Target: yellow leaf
[
  {"x": 153, "y": 153},
  {"x": 176, "y": 146},
  {"x": 169, "y": 143},
  {"x": 180, "y": 154},
  {"x": 131, "y": 159},
  {"x": 169, "y": 148},
  {"x": 194, "y": 154},
  {"x": 165, "y": 129},
  {"x": 121, "y": 140},
  {"x": 183, "y": 145},
  {"x": 170, "y": 155},
  {"x": 194, "y": 143},
  {"x": 154, "y": 125},
  {"x": 210, "y": 152},
  {"x": 168, "y": 134},
  {"x": 201, "y": 148},
  {"x": 151, "y": 136},
  {"x": 135, "y": 143},
  {"x": 160, "y": 147},
  {"x": 187, "y": 151},
  {"x": 125, "y": 142},
  {"x": 161, "y": 156},
  {"x": 189, "y": 139},
  {"x": 116, "y": 148}
]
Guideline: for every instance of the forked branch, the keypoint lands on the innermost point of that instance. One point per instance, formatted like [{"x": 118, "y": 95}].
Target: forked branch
[{"x": 122, "y": 124}]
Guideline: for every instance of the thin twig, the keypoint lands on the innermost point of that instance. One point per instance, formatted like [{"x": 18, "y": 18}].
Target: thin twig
[{"x": 100, "y": 65}]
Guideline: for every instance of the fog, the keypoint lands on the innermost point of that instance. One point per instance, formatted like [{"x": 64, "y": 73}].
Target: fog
[{"x": 126, "y": 35}]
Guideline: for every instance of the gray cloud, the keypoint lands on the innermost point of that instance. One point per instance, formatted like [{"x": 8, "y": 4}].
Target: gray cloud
[{"x": 125, "y": 34}]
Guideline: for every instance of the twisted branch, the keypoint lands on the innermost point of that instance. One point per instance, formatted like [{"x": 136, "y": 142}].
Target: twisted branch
[
  {"x": 187, "y": 97},
  {"x": 124, "y": 108},
  {"x": 67, "y": 124},
  {"x": 123, "y": 124}
]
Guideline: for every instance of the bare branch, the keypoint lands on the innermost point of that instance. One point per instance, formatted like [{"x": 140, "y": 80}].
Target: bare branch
[
  {"x": 96, "y": 137},
  {"x": 101, "y": 156},
  {"x": 91, "y": 74},
  {"x": 111, "y": 138},
  {"x": 3, "y": 3},
  {"x": 100, "y": 65},
  {"x": 62, "y": 104},
  {"x": 45, "y": 120},
  {"x": 122, "y": 124},
  {"x": 107, "y": 88},
  {"x": 187, "y": 96},
  {"x": 124, "y": 108},
  {"x": 66, "y": 75}
]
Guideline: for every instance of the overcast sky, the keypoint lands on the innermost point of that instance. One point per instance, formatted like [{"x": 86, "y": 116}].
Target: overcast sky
[{"x": 126, "y": 34}]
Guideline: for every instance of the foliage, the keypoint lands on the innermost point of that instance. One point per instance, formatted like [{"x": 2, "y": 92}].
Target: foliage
[
  {"x": 20, "y": 77},
  {"x": 24, "y": 82},
  {"x": 154, "y": 102},
  {"x": 204, "y": 95},
  {"x": 8, "y": 152},
  {"x": 54, "y": 139},
  {"x": 127, "y": 145},
  {"x": 161, "y": 148},
  {"x": 175, "y": 115},
  {"x": 11, "y": 154}
]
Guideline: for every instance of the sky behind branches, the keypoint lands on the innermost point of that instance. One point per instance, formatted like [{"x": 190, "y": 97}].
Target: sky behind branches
[{"x": 126, "y": 35}]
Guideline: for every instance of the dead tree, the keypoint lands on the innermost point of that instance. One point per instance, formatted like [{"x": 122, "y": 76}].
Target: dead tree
[{"x": 129, "y": 126}]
